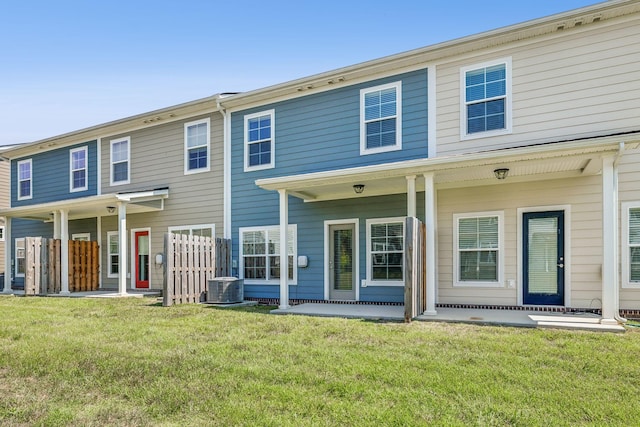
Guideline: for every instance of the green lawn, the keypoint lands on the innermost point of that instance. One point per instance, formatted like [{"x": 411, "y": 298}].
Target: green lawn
[{"x": 132, "y": 362}]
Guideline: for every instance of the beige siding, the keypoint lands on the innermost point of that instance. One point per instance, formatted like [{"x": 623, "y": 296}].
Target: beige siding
[
  {"x": 629, "y": 191},
  {"x": 584, "y": 198},
  {"x": 580, "y": 82},
  {"x": 157, "y": 160},
  {"x": 4, "y": 203}
]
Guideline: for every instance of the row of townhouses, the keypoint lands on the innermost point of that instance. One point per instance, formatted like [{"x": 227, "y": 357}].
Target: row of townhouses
[{"x": 517, "y": 148}]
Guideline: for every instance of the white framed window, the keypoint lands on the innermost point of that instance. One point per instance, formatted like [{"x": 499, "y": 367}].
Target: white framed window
[
  {"x": 113, "y": 254},
  {"x": 20, "y": 257},
  {"x": 385, "y": 251},
  {"x": 25, "y": 179},
  {"x": 78, "y": 169},
  {"x": 197, "y": 141},
  {"x": 260, "y": 254},
  {"x": 259, "y": 141},
  {"x": 631, "y": 245},
  {"x": 205, "y": 230},
  {"x": 84, "y": 237},
  {"x": 120, "y": 161},
  {"x": 485, "y": 99},
  {"x": 478, "y": 251},
  {"x": 381, "y": 118},
  {"x": 1, "y": 233}
]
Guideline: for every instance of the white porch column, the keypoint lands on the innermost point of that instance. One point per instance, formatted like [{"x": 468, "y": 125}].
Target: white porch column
[
  {"x": 9, "y": 246},
  {"x": 122, "y": 246},
  {"x": 64, "y": 252},
  {"x": 284, "y": 249},
  {"x": 411, "y": 196},
  {"x": 430, "y": 223},
  {"x": 610, "y": 303},
  {"x": 56, "y": 225}
]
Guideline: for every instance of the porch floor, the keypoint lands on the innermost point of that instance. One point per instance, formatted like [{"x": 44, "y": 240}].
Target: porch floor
[{"x": 521, "y": 318}]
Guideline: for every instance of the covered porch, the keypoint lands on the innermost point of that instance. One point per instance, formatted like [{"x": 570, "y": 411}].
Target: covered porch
[
  {"x": 60, "y": 213},
  {"x": 590, "y": 157}
]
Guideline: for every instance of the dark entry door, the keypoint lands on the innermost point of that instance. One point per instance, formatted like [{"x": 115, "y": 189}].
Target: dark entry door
[
  {"x": 543, "y": 255},
  {"x": 341, "y": 262}
]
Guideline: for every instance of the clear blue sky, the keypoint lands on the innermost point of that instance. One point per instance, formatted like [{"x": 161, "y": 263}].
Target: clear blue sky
[{"x": 69, "y": 64}]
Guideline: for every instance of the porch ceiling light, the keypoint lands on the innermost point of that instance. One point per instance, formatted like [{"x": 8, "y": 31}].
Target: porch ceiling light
[
  {"x": 358, "y": 188},
  {"x": 111, "y": 209},
  {"x": 501, "y": 173}
]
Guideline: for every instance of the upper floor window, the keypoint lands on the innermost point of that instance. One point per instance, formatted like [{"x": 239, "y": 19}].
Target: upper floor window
[
  {"x": 203, "y": 230},
  {"x": 381, "y": 118},
  {"x": 78, "y": 169},
  {"x": 260, "y": 254},
  {"x": 25, "y": 181},
  {"x": 259, "y": 146},
  {"x": 486, "y": 99},
  {"x": 385, "y": 251},
  {"x": 120, "y": 165},
  {"x": 478, "y": 249},
  {"x": 196, "y": 146}
]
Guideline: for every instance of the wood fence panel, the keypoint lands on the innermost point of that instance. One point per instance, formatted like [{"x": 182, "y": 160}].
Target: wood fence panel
[
  {"x": 190, "y": 261},
  {"x": 415, "y": 268}
]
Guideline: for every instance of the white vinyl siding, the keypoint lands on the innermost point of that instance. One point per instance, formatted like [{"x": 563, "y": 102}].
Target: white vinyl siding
[
  {"x": 78, "y": 169},
  {"x": 259, "y": 146},
  {"x": 486, "y": 99},
  {"x": 385, "y": 252},
  {"x": 20, "y": 254},
  {"x": 260, "y": 254},
  {"x": 197, "y": 146},
  {"x": 478, "y": 253},
  {"x": 25, "y": 179},
  {"x": 113, "y": 254},
  {"x": 120, "y": 161},
  {"x": 381, "y": 118},
  {"x": 204, "y": 230}
]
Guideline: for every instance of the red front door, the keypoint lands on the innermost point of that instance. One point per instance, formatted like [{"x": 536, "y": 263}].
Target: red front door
[{"x": 142, "y": 259}]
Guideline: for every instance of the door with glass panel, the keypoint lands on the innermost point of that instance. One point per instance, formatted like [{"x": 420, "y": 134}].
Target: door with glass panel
[
  {"x": 342, "y": 277},
  {"x": 543, "y": 258},
  {"x": 142, "y": 259}
]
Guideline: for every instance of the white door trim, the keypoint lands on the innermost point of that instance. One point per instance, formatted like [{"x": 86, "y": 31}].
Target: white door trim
[{"x": 327, "y": 249}]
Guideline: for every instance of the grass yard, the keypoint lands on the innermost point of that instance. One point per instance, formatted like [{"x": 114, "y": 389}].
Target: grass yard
[{"x": 132, "y": 362}]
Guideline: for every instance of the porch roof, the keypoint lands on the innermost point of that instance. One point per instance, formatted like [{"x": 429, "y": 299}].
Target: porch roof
[
  {"x": 93, "y": 206},
  {"x": 530, "y": 163}
]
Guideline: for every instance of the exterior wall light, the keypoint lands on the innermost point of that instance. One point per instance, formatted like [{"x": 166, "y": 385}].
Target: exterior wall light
[
  {"x": 501, "y": 173},
  {"x": 111, "y": 209},
  {"x": 358, "y": 188}
]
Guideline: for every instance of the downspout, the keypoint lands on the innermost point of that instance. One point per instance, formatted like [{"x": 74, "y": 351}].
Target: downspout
[
  {"x": 226, "y": 155},
  {"x": 616, "y": 160}
]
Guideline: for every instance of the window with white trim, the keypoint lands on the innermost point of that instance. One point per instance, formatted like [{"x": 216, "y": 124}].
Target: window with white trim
[
  {"x": 196, "y": 146},
  {"x": 25, "y": 180},
  {"x": 385, "y": 252},
  {"x": 486, "y": 99},
  {"x": 20, "y": 254},
  {"x": 78, "y": 169},
  {"x": 259, "y": 140},
  {"x": 119, "y": 161},
  {"x": 83, "y": 237},
  {"x": 1, "y": 233},
  {"x": 260, "y": 254},
  {"x": 204, "y": 230},
  {"x": 478, "y": 249},
  {"x": 630, "y": 245},
  {"x": 381, "y": 118},
  {"x": 113, "y": 255}
]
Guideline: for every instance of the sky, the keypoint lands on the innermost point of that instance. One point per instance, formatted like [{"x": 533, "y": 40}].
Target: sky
[{"x": 69, "y": 64}]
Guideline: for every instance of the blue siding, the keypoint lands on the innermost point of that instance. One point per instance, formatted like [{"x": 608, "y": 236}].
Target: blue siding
[{"x": 50, "y": 175}]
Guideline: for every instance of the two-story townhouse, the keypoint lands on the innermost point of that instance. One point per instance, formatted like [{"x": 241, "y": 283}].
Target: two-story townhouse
[
  {"x": 516, "y": 147},
  {"x": 123, "y": 184}
]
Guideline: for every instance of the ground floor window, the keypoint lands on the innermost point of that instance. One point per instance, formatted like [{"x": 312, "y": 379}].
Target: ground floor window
[
  {"x": 260, "y": 254},
  {"x": 113, "y": 257},
  {"x": 20, "y": 257},
  {"x": 478, "y": 248},
  {"x": 631, "y": 245},
  {"x": 1, "y": 233},
  {"x": 385, "y": 251},
  {"x": 204, "y": 230}
]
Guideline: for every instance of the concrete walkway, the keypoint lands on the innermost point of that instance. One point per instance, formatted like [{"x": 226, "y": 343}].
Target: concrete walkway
[{"x": 520, "y": 318}]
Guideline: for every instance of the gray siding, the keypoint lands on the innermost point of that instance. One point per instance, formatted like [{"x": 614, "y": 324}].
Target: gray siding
[{"x": 157, "y": 160}]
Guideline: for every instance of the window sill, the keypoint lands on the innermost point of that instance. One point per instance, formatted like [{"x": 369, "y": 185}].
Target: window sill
[
  {"x": 265, "y": 282},
  {"x": 258, "y": 168},
  {"x": 378, "y": 283},
  {"x": 195, "y": 171},
  {"x": 497, "y": 284},
  {"x": 486, "y": 134},
  {"x": 367, "y": 151}
]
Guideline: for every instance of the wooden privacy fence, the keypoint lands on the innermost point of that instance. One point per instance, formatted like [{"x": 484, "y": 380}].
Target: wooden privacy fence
[
  {"x": 43, "y": 270},
  {"x": 415, "y": 286},
  {"x": 190, "y": 261}
]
